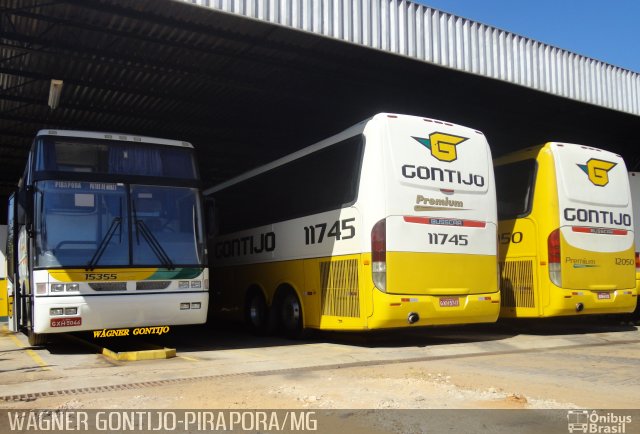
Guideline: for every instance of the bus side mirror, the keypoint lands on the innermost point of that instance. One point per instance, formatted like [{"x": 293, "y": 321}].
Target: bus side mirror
[
  {"x": 21, "y": 207},
  {"x": 24, "y": 205}
]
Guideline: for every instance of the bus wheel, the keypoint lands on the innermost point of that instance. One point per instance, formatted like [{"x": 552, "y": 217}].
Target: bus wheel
[
  {"x": 256, "y": 313},
  {"x": 36, "y": 339},
  {"x": 291, "y": 315}
]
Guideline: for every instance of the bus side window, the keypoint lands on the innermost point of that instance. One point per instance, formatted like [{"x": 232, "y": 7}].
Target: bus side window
[{"x": 514, "y": 187}]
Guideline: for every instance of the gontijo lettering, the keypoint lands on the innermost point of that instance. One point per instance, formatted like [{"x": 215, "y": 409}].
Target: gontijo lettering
[
  {"x": 442, "y": 175},
  {"x": 596, "y": 216},
  {"x": 248, "y": 245}
]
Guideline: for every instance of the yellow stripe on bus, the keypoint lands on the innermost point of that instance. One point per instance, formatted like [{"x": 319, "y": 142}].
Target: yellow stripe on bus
[{"x": 102, "y": 274}]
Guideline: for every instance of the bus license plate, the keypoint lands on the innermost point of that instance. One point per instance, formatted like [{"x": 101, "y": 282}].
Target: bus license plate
[
  {"x": 604, "y": 296},
  {"x": 66, "y": 322},
  {"x": 449, "y": 302}
]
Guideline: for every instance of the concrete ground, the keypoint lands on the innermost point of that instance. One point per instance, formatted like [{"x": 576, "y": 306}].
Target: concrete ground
[{"x": 568, "y": 363}]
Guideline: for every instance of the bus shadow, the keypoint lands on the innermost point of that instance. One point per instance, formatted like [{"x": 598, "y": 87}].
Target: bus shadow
[
  {"x": 231, "y": 336},
  {"x": 220, "y": 336},
  {"x": 418, "y": 337},
  {"x": 561, "y": 326}
]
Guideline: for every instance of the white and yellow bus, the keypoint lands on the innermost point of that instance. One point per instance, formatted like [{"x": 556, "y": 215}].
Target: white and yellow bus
[
  {"x": 634, "y": 184},
  {"x": 105, "y": 231},
  {"x": 390, "y": 223},
  {"x": 566, "y": 232}
]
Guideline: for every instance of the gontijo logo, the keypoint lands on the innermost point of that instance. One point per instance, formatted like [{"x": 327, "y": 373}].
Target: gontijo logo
[
  {"x": 441, "y": 145},
  {"x": 597, "y": 171}
]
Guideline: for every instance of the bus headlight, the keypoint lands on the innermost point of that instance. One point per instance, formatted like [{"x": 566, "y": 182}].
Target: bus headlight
[
  {"x": 57, "y": 287},
  {"x": 72, "y": 286},
  {"x": 54, "y": 311},
  {"x": 70, "y": 310},
  {"x": 183, "y": 284}
]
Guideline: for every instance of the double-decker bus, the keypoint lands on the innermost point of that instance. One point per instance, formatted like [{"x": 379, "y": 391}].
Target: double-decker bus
[
  {"x": 565, "y": 233},
  {"x": 105, "y": 231},
  {"x": 390, "y": 223}
]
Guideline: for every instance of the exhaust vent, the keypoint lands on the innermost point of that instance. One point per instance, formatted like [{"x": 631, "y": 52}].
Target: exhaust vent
[{"x": 340, "y": 288}]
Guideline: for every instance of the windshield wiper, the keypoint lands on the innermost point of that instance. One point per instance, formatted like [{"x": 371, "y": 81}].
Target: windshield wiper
[
  {"x": 115, "y": 224},
  {"x": 156, "y": 247}
]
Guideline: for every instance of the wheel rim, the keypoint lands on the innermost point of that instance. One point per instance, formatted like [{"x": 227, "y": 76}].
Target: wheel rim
[
  {"x": 291, "y": 313},
  {"x": 256, "y": 312}
]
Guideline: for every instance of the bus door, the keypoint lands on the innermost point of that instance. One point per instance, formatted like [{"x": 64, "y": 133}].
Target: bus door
[
  {"x": 441, "y": 210},
  {"x": 13, "y": 311},
  {"x": 595, "y": 242}
]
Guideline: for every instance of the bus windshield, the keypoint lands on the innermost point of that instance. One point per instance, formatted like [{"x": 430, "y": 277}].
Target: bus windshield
[{"x": 93, "y": 224}]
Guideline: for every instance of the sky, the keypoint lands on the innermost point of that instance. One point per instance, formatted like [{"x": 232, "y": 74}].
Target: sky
[{"x": 604, "y": 30}]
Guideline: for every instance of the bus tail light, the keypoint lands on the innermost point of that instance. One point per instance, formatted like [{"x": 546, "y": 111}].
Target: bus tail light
[
  {"x": 379, "y": 255},
  {"x": 637, "y": 262},
  {"x": 553, "y": 245}
]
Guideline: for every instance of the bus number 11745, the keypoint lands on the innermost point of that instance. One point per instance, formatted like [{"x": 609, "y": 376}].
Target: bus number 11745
[
  {"x": 458, "y": 240},
  {"x": 335, "y": 231}
]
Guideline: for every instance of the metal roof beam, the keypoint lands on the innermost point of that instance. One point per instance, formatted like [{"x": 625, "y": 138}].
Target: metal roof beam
[
  {"x": 201, "y": 104},
  {"x": 319, "y": 69},
  {"x": 132, "y": 63}
]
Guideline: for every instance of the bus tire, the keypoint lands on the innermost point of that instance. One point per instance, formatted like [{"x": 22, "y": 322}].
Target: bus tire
[
  {"x": 36, "y": 339},
  {"x": 256, "y": 314},
  {"x": 290, "y": 315}
]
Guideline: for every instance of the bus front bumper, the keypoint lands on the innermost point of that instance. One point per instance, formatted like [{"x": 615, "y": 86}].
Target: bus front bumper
[{"x": 119, "y": 311}]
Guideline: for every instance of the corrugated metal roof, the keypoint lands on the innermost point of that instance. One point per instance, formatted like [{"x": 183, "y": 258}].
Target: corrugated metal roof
[{"x": 433, "y": 36}]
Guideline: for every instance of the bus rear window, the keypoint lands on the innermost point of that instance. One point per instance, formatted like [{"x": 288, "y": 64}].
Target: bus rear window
[{"x": 514, "y": 188}]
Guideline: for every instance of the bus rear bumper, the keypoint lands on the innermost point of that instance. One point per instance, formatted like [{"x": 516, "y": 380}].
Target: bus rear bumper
[
  {"x": 393, "y": 311},
  {"x": 120, "y": 311},
  {"x": 585, "y": 302}
]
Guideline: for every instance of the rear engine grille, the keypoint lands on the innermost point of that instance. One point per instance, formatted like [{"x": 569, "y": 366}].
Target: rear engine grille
[
  {"x": 340, "y": 288},
  {"x": 516, "y": 283}
]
